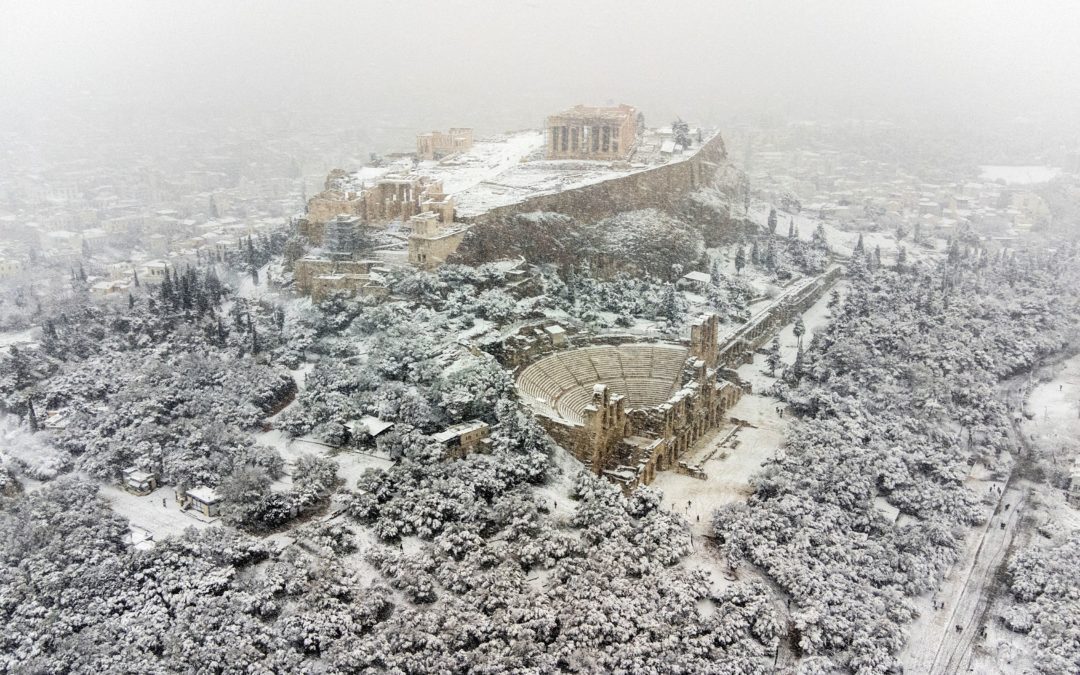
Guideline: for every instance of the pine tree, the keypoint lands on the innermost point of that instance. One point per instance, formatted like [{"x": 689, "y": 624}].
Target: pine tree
[
  {"x": 834, "y": 299},
  {"x": 131, "y": 301},
  {"x": 221, "y": 332},
  {"x": 877, "y": 257},
  {"x": 772, "y": 358},
  {"x": 252, "y": 267},
  {"x": 799, "y": 329},
  {"x": 740, "y": 260},
  {"x": 770, "y": 255},
  {"x": 818, "y": 239},
  {"x": 858, "y": 267},
  {"x": 772, "y": 221},
  {"x": 797, "y": 366},
  {"x": 135, "y": 277},
  {"x": 82, "y": 273},
  {"x": 212, "y": 286},
  {"x": 20, "y": 367},
  {"x": 669, "y": 305},
  {"x": 755, "y": 254},
  {"x": 791, "y": 229},
  {"x": 858, "y": 245},
  {"x": 186, "y": 300},
  {"x": 166, "y": 291},
  {"x": 901, "y": 259}
]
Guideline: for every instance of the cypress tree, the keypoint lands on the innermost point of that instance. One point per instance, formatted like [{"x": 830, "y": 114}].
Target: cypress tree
[
  {"x": 166, "y": 291},
  {"x": 254, "y": 336},
  {"x": 669, "y": 305}
]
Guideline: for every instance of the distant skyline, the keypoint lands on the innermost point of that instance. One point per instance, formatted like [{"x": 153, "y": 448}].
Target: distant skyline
[{"x": 497, "y": 65}]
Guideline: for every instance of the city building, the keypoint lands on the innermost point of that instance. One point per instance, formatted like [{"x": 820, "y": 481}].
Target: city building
[
  {"x": 462, "y": 439},
  {"x": 138, "y": 481},
  {"x": 203, "y": 499}
]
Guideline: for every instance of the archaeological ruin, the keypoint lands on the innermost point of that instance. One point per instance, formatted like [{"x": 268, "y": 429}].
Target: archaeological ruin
[
  {"x": 436, "y": 145},
  {"x": 592, "y": 133},
  {"x": 429, "y": 200},
  {"x": 629, "y": 409}
]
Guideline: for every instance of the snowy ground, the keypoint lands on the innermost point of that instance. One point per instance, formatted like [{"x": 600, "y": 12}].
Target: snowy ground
[
  {"x": 152, "y": 517},
  {"x": 28, "y": 336},
  {"x": 556, "y": 492},
  {"x": 840, "y": 241},
  {"x": 815, "y": 319},
  {"x": 730, "y": 467},
  {"x": 252, "y": 291},
  {"x": 1054, "y": 410},
  {"x": 733, "y": 461}
]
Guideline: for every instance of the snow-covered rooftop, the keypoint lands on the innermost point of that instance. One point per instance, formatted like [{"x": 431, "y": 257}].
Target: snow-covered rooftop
[{"x": 204, "y": 494}]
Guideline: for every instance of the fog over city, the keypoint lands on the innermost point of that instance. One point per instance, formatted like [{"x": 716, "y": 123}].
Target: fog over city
[
  {"x": 962, "y": 63},
  {"x": 540, "y": 336}
]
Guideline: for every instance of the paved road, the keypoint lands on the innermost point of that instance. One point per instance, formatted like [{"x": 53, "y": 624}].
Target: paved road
[
  {"x": 935, "y": 645},
  {"x": 955, "y": 651}
]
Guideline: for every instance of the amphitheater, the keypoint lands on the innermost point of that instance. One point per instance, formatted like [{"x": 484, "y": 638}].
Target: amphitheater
[
  {"x": 561, "y": 385},
  {"x": 629, "y": 410}
]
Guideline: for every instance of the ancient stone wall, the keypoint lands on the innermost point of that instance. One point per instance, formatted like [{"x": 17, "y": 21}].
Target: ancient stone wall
[
  {"x": 660, "y": 187},
  {"x": 611, "y": 442}
]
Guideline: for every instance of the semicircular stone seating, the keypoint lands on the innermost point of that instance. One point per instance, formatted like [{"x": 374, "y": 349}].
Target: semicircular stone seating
[{"x": 560, "y": 384}]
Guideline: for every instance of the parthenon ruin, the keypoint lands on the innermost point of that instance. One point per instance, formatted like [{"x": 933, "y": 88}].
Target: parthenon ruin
[{"x": 584, "y": 132}]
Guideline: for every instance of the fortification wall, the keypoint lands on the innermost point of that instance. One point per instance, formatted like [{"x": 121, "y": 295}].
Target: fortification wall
[{"x": 660, "y": 187}]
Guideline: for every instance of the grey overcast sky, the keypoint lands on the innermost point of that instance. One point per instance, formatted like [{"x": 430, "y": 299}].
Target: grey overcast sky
[{"x": 506, "y": 63}]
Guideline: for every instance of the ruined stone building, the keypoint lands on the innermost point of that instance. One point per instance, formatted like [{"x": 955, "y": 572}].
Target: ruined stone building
[
  {"x": 436, "y": 144},
  {"x": 389, "y": 198},
  {"x": 433, "y": 241},
  {"x": 584, "y": 132},
  {"x": 627, "y": 410},
  {"x": 321, "y": 276},
  {"x": 496, "y": 178}
]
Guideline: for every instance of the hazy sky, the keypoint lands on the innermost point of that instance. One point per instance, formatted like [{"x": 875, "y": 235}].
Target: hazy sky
[{"x": 502, "y": 64}]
